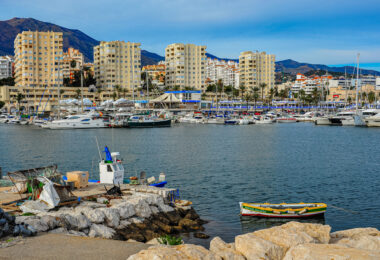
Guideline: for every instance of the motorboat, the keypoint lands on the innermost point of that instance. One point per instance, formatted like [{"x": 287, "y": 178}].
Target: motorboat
[
  {"x": 283, "y": 210},
  {"x": 286, "y": 119},
  {"x": 214, "y": 120},
  {"x": 243, "y": 121},
  {"x": 264, "y": 120},
  {"x": 4, "y": 118},
  {"x": 324, "y": 120},
  {"x": 342, "y": 116},
  {"x": 231, "y": 121},
  {"x": 186, "y": 119},
  {"x": 362, "y": 115},
  {"x": 146, "y": 122},
  {"x": 13, "y": 120},
  {"x": 307, "y": 117},
  {"x": 373, "y": 121},
  {"x": 81, "y": 121}
]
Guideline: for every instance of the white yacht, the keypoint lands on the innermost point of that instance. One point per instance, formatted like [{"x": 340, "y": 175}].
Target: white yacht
[
  {"x": 363, "y": 114},
  {"x": 373, "y": 120},
  {"x": 341, "y": 117},
  {"x": 324, "y": 120},
  {"x": 4, "y": 118},
  {"x": 264, "y": 120},
  {"x": 91, "y": 120},
  {"x": 215, "y": 120}
]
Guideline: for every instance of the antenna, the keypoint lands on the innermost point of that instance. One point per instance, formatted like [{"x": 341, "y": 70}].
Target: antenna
[{"x": 97, "y": 144}]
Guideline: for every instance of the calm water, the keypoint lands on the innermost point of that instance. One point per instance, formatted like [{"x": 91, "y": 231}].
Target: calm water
[{"x": 217, "y": 166}]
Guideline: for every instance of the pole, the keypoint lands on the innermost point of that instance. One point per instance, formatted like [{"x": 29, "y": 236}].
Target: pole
[
  {"x": 147, "y": 85},
  {"x": 357, "y": 83},
  {"x": 81, "y": 87},
  {"x": 59, "y": 89}
]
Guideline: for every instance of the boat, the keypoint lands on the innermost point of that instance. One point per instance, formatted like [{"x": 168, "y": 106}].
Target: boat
[
  {"x": 81, "y": 121},
  {"x": 264, "y": 120},
  {"x": 373, "y": 120},
  {"x": 4, "y": 118},
  {"x": 343, "y": 116},
  {"x": 283, "y": 210},
  {"x": 231, "y": 121},
  {"x": 324, "y": 120},
  {"x": 159, "y": 184},
  {"x": 286, "y": 119},
  {"x": 362, "y": 115},
  {"x": 214, "y": 120},
  {"x": 111, "y": 170},
  {"x": 146, "y": 122}
]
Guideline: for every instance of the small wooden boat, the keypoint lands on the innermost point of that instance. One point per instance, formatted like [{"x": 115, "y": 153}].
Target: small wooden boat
[{"x": 283, "y": 210}]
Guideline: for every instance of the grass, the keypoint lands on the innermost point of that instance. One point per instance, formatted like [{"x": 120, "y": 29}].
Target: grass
[
  {"x": 170, "y": 240},
  {"x": 28, "y": 214},
  {"x": 9, "y": 240}
]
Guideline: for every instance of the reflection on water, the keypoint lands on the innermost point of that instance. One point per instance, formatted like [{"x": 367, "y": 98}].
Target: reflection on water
[{"x": 250, "y": 224}]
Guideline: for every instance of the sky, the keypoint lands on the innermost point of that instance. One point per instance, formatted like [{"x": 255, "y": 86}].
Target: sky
[{"x": 328, "y": 32}]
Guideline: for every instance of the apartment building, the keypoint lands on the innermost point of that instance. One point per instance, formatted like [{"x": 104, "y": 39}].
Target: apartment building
[
  {"x": 72, "y": 62},
  {"x": 38, "y": 57},
  {"x": 156, "y": 73},
  {"x": 185, "y": 66},
  {"x": 256, "y": 68},
  {"x": 6, "y": 67},
  {"x": 308, "y": 84},
  {"x": 226, "y": 71},
  {"x": 117, "y": 63}
]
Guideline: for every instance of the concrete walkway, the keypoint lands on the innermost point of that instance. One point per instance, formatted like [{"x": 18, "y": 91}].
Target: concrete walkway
[{"x": 56, "y": 246}]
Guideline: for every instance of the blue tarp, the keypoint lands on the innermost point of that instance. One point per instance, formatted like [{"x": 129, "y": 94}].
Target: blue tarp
[{"x": 108, "y": 154}]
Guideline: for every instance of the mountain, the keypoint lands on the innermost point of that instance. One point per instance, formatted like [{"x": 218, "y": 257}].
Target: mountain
[
  {"x": 294, "y": 67},
  {"x": 71, "y": 37},
  {"x": 150, "y": 58},
  {"x": 209, "y": 55}
]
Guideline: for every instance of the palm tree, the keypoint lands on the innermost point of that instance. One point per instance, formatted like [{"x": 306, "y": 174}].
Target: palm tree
[
  {"x": 271, "y": 94},
  {"x": 220, "y": 88},
  {"x": 77, "y": 93},
  {"x": 124, "y": 90},
  {"x": 315, "y": 94},
  {"x": 371, "y": 97},
  {"x": 247, "y": 98},
  {"x": 262, "y": 86},
  {"x": 19, "y": 98},
  {"x": 242, "y": 89},
  {"x": 255, "y": 94},
  {"x": 99, "y": 91},
  {"x": 118, "y": 90}
]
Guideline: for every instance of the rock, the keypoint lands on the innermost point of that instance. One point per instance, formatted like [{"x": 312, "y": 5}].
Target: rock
[
  {"x": 201, "y": 235},
  {"x": 173, "y": 216},
  {"x": 317, "y": 231},
  {"x": 154, "y": 210},
  {"x": 142, "y": 209},
  {"x": 126, "y": 210},
  {"x": 191, "y": 214},
  {"x": 164, "y": 227},
  {"x": 77, "y": 233},
  {"x": 112, "y": 217},
  {"x": 101, "y": 231},
  {"x": 149, "y": 234},
  {"x": 95, "y": 215},
  {"x": 175, "y": 252},
  {"x": 60, "y": 230},
  {"x": 362, "y": 238},
  {"x": 329, "y": 251},
  {"x": 131, "y": 241},
  {"x": 115, "y": 202},
  {"x": 154, "y": 241},
  {"x": 123, "y": 224},
  {"x": 102, "y": 200},
  {"x": 70, "y": 221},
  {"x": 82, "y": 221},
  {"x": 224, "y": 250},
  {"x": 51, "y": 221},
  {"x": 136, "y": 220},
  {"x": 190, "y": 225},
  {"x": 165, "y": 208},
  {"x": 91, "y": 204},
  {"x": 37, "y": 224},
  {"x": 253, "y": 247}
]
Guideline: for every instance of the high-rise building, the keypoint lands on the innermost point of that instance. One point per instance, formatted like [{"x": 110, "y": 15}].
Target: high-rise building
[
  {"x": 117, "y": 63},
  {"x": 256, "y": 68},
  {"x": 185, "y": 66},
  {"x": 72, "y": 62},
  {"x": 5, "y": 67},
  {"x": 226, "y": 71},
  {"x": 38, "y": 57}
]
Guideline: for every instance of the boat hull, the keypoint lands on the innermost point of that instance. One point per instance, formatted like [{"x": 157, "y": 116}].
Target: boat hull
[
  {"x": 283, "y": 210},
  {"x": 150, "y": 124}
]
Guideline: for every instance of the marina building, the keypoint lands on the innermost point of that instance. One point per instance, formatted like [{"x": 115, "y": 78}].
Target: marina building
[
  {"x": 185, "y": 66},
  {"x": 226, "y": 71},
  {"x": 341, "y": 94},
  {"x": 117, "y": 63},
  {"x": 256, "y": 68},
  {"x": 6, "y": 64},
  {"x": 38, "y": 57},
  {"x": 156, "y": 73},
  {"x": 72, "y": 62},
  {"x": 308, "y": 84}
]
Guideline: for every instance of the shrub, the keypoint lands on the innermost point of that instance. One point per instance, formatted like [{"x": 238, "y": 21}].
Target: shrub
[{"x": 170, "y": 240}]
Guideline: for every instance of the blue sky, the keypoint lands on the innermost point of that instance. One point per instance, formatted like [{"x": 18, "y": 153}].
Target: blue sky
[{"x": 326, "y": 32}]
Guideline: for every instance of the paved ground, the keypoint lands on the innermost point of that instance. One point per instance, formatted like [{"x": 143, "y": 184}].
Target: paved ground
[{"x": 57, "y": 246}]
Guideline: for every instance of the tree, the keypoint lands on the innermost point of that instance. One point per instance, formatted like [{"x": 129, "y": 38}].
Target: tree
[
  {"x": 2, "y": 104},
  {"x": 235, "y": 93},
  {"x": 242, "y": 89},
  {"x": 255, "y": 94},
  {"x": 349, "y": 100},
  {"x": 371, "y": 97},
  {"x": 247, "y": 98},
  {"x": 262, "y": 86},
  {"x": 271, "y": 94},
  {"x": 77, "y": 93},
  {"x": 114, "y": 95},
  {"x": 315, "y": 95},
  {"x": 99, "y": 91},
  {"x": 7, "y": 81},
  {"x": 73, "y": 64},
  {"x": 19, "y": 98}
]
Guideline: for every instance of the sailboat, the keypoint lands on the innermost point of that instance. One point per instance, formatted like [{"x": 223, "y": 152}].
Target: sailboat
[{"x": 358, "y": 117}]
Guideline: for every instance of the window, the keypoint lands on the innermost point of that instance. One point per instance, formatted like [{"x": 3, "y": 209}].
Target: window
[{"x": 109, "y": 168}]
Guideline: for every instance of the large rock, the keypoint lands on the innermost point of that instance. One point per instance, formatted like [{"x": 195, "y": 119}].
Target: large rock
[
  {"x": 95, "y": 215},
  {"x": 189, "y": 225},
  {"x": 112, "y": 217},
  {"x": 188, "y": 252},
  {"x": 101, "y": 231},
  {"x": 38, "y": 224},
  {"x": 126, "y": 210},
  {"x": 83, "y": 222},
  {"x": 362, "y": 238},
  {"x": 329, "y": 252},
  {"x": 142, "y": 208},
  {"x": 224, "y": 250},
  {"x": 253, "y": 247},
  {"x": 123, "y": 224},
  {"x": 51, "y": 221}
]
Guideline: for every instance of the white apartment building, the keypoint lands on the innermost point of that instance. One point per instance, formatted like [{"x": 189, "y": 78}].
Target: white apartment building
[
  {"x": 185, "y": 66},
  {"x": 118, "y": 63},
  {"x": 308, "y": 84},
  {"x": 72, "y": 61},
  {"x": 227, "y": 71},
  {"x": 5, "y": 67}
]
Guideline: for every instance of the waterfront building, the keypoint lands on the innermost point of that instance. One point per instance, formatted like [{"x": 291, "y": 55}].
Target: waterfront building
[
  {"x": 117, "y": 63},
  {"x": 46, "y": 99},
  {"x": 256, "y": 68},
  {"x": 72, "y": 62},
  {"x": 308, "y": 84},
  {"x": 185, "y": 66},
  {"x": 6, "y": 67},
  {"x": 341, "y": 94},
  {"x": 156, "y": 73},
  {"x": 226, "y": 71},
  {"x": 38, "y": 58}
]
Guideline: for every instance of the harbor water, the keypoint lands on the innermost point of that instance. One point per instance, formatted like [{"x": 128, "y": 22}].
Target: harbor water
[{"x": 216, "y": 166}]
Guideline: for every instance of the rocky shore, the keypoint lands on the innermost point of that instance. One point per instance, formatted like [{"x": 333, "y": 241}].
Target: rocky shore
[
  {"x": 291, "y": 241},
  {"x": 138, "y": 216}
]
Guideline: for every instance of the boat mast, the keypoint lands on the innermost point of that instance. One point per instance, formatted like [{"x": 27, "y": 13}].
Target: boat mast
[
  {"x": 59, "y": 89},
  {"x": 357, "y": 83},
  {"x": 345, "y": 85}
]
